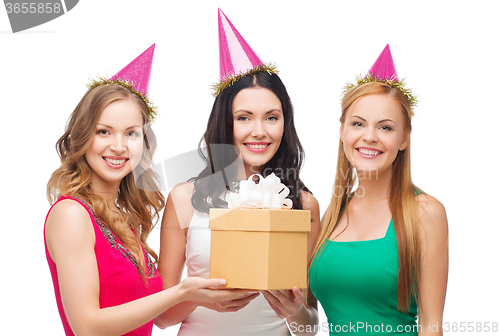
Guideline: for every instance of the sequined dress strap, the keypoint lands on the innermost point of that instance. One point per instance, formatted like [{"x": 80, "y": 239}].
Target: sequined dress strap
[{"x": 115, "y": 242}]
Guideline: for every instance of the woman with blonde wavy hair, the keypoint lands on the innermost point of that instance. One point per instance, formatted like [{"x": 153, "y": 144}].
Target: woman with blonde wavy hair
[
  {"x": 105, "y": 201},
  {"x": 382, "y": 255}
]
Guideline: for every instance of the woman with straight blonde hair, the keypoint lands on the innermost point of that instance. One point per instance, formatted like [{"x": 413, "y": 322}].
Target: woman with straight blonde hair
[
  {"x": 104, "y": 202},
  {"x": 382, "y": 255}
]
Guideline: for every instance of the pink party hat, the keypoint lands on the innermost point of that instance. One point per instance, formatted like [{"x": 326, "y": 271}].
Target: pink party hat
[
  {"x": 237, "y": 59},
  {"x": 135, "y": 77},
  {"x": 384, "y": 67},
  {"x": 138, "y": 71},
  {"x": 384, "y": 70},
  {"x": 235, "y": 54}
]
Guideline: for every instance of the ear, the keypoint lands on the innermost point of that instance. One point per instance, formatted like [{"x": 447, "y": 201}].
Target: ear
[
  {"x": 341, "y": 132},
  {"x": 405, "y": 142}
]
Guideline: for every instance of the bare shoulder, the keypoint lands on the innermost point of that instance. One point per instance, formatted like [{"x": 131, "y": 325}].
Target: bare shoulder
[
  {"x": 179, "y": 209},
  {"x": 182, "y": 191},
  {"x": 67, "y": 213},
  {"x": 309, "y": 202},
  {"x": 68, "y": 223},
  {"x": 432, "y": 213}
]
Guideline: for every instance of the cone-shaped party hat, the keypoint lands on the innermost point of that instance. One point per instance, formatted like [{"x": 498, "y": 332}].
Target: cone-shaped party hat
[
  {"x": 384, "y": 67},
  {"x": 135, "y": 77},
  {"x": 138, "y": 71},
  {"x": 236, "y": 58},
  {"x": 384, "y": 70},
  {"x": 235, "y": 54}
]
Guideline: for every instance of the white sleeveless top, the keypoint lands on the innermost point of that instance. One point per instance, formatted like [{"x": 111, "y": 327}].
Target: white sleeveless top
[{"x": 257, "y": 318}]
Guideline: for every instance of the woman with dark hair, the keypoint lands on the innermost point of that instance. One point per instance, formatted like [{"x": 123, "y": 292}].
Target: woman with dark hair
[
  {"x": 285, "y": 163},
  {"x": 251, "y": 119}
]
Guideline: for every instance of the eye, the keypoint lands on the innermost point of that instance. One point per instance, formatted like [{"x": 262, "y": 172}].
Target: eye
[
  {"x": 386, "y": 128},
  {"x": 243, "y": 118},
  {"x": 272, "y": 118},
  {"x": 357, "y": 124},
  {"x": 102, "y": 132},
  {"x": 133, "y": 134}
]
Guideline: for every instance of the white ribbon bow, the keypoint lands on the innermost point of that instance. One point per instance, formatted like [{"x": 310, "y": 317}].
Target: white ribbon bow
[{"x": 268, "y": 193}]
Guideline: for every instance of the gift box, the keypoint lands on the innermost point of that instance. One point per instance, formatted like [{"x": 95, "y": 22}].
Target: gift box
[{"x": 260, "y": 248}]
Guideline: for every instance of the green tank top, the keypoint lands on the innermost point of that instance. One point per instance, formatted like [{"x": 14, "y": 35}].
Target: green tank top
[{"x": 356, "y": 284}]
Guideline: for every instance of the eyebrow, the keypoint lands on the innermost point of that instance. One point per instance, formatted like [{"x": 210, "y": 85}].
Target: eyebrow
[
  {"x": 250, "y": 112},
  {"x": 110, "y": 127},
  {"x": 380, "y": 121}
]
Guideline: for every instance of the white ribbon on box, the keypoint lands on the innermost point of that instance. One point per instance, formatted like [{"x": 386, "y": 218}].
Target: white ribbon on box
[{"x": 268, "y": 193}]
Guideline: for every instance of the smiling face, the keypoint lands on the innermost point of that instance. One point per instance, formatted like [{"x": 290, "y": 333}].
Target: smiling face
[
  {"x": 258, "y": 125},
  {"x": 117, "y": 145},
  {"x": 373, "y": 133}
]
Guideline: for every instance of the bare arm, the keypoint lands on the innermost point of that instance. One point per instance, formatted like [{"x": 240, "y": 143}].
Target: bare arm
[
  {"x": 70, "y": 240},
  {"x": 173, "y": 250},
  {"x": 176, "y": 218},
  {"x": 291, "y": 304},
  {"x": 433, "y": 264}
]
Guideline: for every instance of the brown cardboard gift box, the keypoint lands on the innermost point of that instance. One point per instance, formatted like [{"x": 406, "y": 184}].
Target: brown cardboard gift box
[{"x": 260, "y": 248}]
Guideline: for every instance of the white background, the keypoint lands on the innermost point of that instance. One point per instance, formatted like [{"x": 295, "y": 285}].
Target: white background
[{"x": 447, "y": 50}]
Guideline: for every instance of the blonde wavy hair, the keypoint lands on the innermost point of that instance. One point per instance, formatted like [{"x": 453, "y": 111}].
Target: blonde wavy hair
[
  {"x": 402, "y": 201},
  {"x": 139, "y": 200}
]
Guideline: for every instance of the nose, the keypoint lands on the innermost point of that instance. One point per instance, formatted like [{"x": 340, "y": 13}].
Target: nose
[
  {"x": 118, "y": 144},
  {"x": 258, "y": 130},
  {"x": 370, "y": 135}
]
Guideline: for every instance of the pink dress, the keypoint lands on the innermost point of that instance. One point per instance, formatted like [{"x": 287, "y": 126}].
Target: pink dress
[{"x": 119, "y": 279}]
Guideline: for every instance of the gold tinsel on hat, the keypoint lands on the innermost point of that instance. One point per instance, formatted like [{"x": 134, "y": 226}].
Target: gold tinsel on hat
[
  {"x": 103, "y": 81},
  {"x": 398, "y": 84},
  {"x": 217, "y": 88}
]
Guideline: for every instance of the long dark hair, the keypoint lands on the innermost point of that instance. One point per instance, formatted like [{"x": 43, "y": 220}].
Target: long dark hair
[{"x": 219, "y": 175}]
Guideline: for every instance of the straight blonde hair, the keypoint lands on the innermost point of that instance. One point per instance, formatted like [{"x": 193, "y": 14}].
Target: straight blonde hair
[
  {"x": 402, "y": 201},
  {"x": 139, "y": 199}
]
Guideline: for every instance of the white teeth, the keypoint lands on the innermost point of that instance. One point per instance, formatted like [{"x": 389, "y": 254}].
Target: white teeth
[
  {"x": 368, "y": 152},
  {"x": 257, "y": 146},
  {"x": 115, "y": 162}
]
